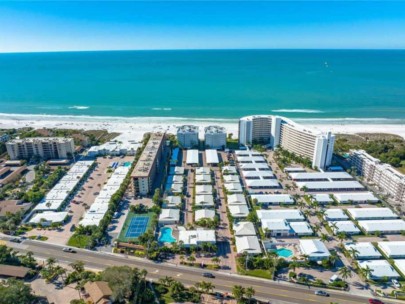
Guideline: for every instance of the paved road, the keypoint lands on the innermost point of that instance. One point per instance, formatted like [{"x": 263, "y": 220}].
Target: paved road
[{"x": 265, "y": 289}]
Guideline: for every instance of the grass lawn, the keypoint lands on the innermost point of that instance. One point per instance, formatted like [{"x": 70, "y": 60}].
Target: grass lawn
[
  {"x": 79, "y": 241},
  {"x": 259, "y": 273}
]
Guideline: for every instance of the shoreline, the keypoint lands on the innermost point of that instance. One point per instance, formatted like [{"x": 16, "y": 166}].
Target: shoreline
[{"x": 135, "y": 127}]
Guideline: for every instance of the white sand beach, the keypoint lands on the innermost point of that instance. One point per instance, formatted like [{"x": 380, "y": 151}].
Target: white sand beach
[{"x": 135, "y": 127}]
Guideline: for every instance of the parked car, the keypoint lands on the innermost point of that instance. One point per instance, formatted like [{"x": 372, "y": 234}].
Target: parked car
[
  {"x": 395, "y": 283},
  {"x": 208, "y": 275},
  {"x": 67, "y": 249},
  {"x": 375, "y": 301},
  {"x": 321, "y": 293},
  {"x": 16, "y": 240}
]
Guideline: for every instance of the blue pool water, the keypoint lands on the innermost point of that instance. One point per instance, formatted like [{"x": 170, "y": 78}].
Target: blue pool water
[
  {"x": 166, "y": 235},
  {"x": 283, "y": 252},
  {"x": 127, "y": 164}
]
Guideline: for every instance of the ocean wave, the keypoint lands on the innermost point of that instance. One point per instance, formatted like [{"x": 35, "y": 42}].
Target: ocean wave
[
  {"x": 161, "y": 109},
  {"x": 79, "y": 107},
  {"x": 184, "y": 120},
  {"x": 297, "y": 111}
]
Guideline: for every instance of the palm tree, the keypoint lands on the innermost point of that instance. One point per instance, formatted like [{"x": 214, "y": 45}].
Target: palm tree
[
  {"x": 191, "y": 258},
  {"x": 166, "y": 281},
  {"x": 333, "y": 258},
  {"x": 366, "y": 272},
  {"x": 333, "y": 226},
  {"x": 341, "y": 236},
  {"x": 345, "y": 272},
  {"x": 324, "y": 237},
  {"x": 238, "y": 292},
  {"x": 216, "y": 260},
  {"x": 207, "y": 287},
  {"x": 249, "y": 293},
  {"x": 176, "y": 288},
  {"x": 77, "y": 266},
  {"x": 354, "y": 252}
]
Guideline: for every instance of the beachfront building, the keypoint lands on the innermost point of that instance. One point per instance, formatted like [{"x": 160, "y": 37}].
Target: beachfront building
[
  {"x": 315, "y": 249},
  {"x": 149, "y": 163},
  {"x": 211, "y": 157},
  {"x": 44, "y": 147},
  {"x": 362, "y": 251},
  {"x": 215, "y": 137},
  {"x": 169, "y": 217},
  {"x": 388, "y": 180},
  {"x": 187, "y": 136},
  {"x": 380, "y": 269},
  {"x": 196, "y": 237},
  {"x": 192, "y": 157},
  {"x": 248, "y": 244},
  {"x": 393, "y": 250},
  {"x": 277, "y": 131}
]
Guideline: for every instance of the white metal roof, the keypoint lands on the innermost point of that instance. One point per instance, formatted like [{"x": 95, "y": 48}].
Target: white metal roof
[
  {"x": 229, "y": 170},
  {"x": 211, "y": 156},
  {"x": 294, "y": 169},
  {"x": 262, "y": 183},
  {"x": 301, "y": 228},
  {"x": 238, "y": 211},
  {"x": 236, "y": 199},
  {"x": 254, "y": 166},
  {"x": 233, "y": 187},
  {"x": 393, "y": 249},
  {"x": 322, "y": 198},
  {"x": 244, "y": 228},
  {"x": 369, "y": 213},
  {"x": 257, "y": 174},
  {"x": 380, "y": 269},
  {"x": 231, "y": 179},
  {"x": 273, "y": 198},
  {"x": 247, "y": 153},
  {"x": 285, "y": 214},
  {"x": 49, "y": 216},
  {"x": 172, "y": 201},
  {"x": 320, "y": 175},
  {"x": 400, "y": 264},
  {"x": 177, "y": 179},
  {"x": 176, "y": 188},
  {"x": 344, "y": 226},
  {"x": 192, "y": 157},
  {"x": 250, "y": 159},
  {"x": 335, "y": 214},
  {"x": 314, "y": 248},
  {"x": 195, "y": 237},
  {"x": 202, "y": 170},
  {"x": 275, "y": 225},
  {"x": 365, "y": 250},
  {"x": 179, "y": 170},
  {"x": 203, "y": 189},
  {"x": 334, "y": 185},
  {"x": 169, "y": 215},
  {"x": 356, "y": 197},
  {"x": 204, "y": 213},
  {"x": 249, "y": 244},
  {"x": 383, "y": 225},
  {"x": 204, "y": 200},
  {"x": 203, "y": 178}
]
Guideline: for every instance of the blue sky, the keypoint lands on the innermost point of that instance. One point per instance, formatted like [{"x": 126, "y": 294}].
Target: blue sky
[{"x": 91, "y": 25}]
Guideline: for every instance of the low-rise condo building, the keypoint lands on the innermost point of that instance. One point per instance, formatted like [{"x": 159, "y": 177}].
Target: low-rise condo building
[
  {"x": 388, "y": 180},
  {"x": 215, "y": 137},
  {"x": 277, "y": 131},
  {"x": 44, "y": 147},
  {"x": 187, "y": 136},
  {"x": 362, "y": 251},
  {"x": 149, "y": 163}
]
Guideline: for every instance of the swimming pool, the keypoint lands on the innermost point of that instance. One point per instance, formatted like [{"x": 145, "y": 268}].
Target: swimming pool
[
  {"x": 127, "y": 164},
  {"x": 166, "y": 235},
  {"x": 283, "y": 252}
]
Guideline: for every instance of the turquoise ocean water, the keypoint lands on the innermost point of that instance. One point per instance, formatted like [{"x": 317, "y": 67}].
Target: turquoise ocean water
[{"x": 315, "y": 85}]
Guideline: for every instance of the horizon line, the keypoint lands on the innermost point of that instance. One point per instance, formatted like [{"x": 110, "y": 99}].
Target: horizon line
[{"x": 208, "y": 49}]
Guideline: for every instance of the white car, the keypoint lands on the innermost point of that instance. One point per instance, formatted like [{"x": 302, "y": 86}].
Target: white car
[{"x": 395, "y": 283}]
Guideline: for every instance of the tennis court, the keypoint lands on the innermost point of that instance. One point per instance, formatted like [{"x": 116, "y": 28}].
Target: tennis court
[{"x": 137, "y": 226}]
